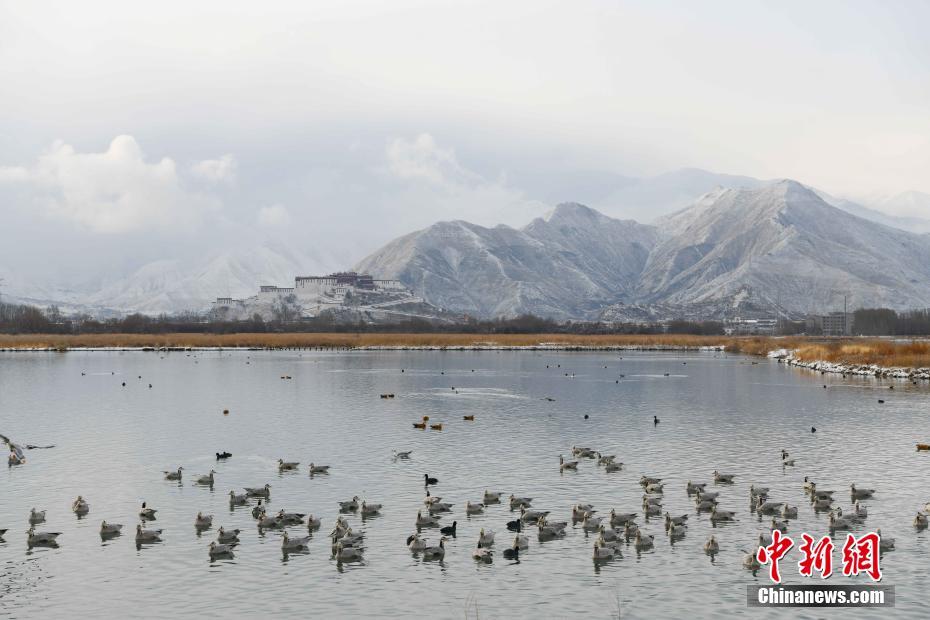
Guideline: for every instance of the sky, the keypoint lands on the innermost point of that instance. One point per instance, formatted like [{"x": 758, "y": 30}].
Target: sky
[{"x": 134, "y": 132}]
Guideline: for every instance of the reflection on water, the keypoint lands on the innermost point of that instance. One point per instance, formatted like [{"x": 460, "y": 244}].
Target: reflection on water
[{"x": 114, "y": 442}]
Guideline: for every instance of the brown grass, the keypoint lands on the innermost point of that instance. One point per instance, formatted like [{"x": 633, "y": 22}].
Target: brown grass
[{"x": 913, "y": 354}]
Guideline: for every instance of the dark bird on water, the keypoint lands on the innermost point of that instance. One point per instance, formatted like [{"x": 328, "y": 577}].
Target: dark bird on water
[
  {"x": 813, "y": 430},
  {"x": 222, "y": 455},
  {"x": 655, "y": 419},
  {"x": 449, "y": 530},
  {"x": 428, "y": 481}
]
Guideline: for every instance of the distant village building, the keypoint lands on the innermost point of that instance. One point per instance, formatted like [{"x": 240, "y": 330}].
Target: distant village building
[
  {"x": 833, "y": 324},
  {"x": 750, "y": 327}
]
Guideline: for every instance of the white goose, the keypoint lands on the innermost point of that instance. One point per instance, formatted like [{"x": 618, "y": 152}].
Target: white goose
[
  {"x": 80, "y": 507},
  {"x": 485, "y": 537},
  {"x": 711, "y": 546},
  {"x": 473, "y": 508},
  {"x": 36, "y": 516},
  {"x": 491, "y": 497},
  {"x": 203, "y": 521}
]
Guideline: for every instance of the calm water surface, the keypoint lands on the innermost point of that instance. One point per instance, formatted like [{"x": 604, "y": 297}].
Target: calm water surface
[{"x": 717, "y": 412}]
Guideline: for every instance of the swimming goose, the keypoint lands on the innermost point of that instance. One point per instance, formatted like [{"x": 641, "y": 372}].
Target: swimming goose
[
  {"x": 220, "y": 550},
  {"x": 449, "y": 530},
  {"x": 677, "y": 531},
  {"x": 821, "y": 505},
  {"x": 426, "y": 520},
  {"x": 416, "y": 544},
  {"x": 750, "y": 561},
  {"x": 427, "y": 481},
  {"x": 206, "y": 480},
  {"x": 591, "y": 524},
  {"x": 652, "y": 510},
  {"x": 788, "y": 462},
  {"x": 693, "y": 487},
  {"x": 482, "y": 555},
  {"x": 566, "y": 465},
  {"x": 313, "y": 523},
  {"x": 173, "y": 475},
  {"x": 643, "y": 541},
  {"x": 520, "y": 502},
  {"x": 110, "y": 529},
  {"x": 884, "y": 544},
  {"x": 485, "y": 538},
  {"x": 621, "y": 518},
  {"x": 781, "y": 526},
  {"x": 603, "y": 553},
  {"x": 370, "y": 509},
  {"x": 547, "y": 531},
  {"x": 755, "y": 491},
  {"x": 473, "y": 509},
  {"x": 723, "y": 478},
  {"x": 670, "y": 520},
  {"x": 352, "y": 504},
  {"x": 583, "y": 452},
  {"x": 203, "y": 521},
  {"x": 491, "y": 498},
  {"x": 789, "y": 512},
  {"x": 257, "y": 510},
  {"x": 143, "y": 535},
  {"x": 269, "y": 522},
  {"x": 613, "y": 467},
  {"x": 629, "y": 530},
  {"x": 645, "y": 481},
  {"x": 430, "y": 499},
  {"x": 816, "y": 493},
  {"x": 839, "y": 522},
  {"x": 706, "y": 506},
  {"x": 438, "y": 507},
  {"x": 706, "y": 496},
  {"x": 80, "y": 507},
  {"x": 436, "y": 553},
  {"x": 920, "y": 521},
  {"x": 264, "y": 491},
  {"x": 436, "y": 427},
  {"x": 419, "y": 425},
  {"x": 319, "y": 469},
  {"x": 147, "y": 513},
  {"x": 655, "y": 488},
  {"x": 36, "y": 516},
  {"x": 402, "y": 455},
  {"x": 605, "y": 460},
  {"x": 348, "y": 538},
  {"x": 343, "y": 553},
  {"x": 809, "y": 485},
  {"x": 520, "y": 541},
  {"x": 722, "y": 515},
  {"x": 860, "y": 493},
  {"x": 580, "y": 511},
  {"x": 41, "y": 538},
  {"x": 227, "y": 536},
  {"x": 561, "y": 525},
  {"x": 608, "y": 534},
  {"x": 532, "y": 515},
  {"x": 287, "y": 465},
  {"x": 294, "y": 544},
  {"x": 512, "y": 552},
  {"x": 711, "y": 546},
  {"x": 290, "y": 518},
  {"x": 768, "y": 508},
  {"x": 243, "y": 500}
]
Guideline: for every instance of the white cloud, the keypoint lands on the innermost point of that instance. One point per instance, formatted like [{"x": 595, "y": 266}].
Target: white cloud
[
  {"x": 222, "y": 170},
  {"x": 422, "y": 158},
  {"x": 115, "y": 191},
  {"x": 274, "y": 216}
]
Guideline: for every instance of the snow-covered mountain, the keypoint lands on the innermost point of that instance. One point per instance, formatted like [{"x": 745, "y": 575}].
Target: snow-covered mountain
[{"x": 775, "y": 248}]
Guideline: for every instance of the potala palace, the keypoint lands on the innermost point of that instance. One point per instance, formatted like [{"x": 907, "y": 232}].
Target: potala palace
[{"x": 345, "y": 295}]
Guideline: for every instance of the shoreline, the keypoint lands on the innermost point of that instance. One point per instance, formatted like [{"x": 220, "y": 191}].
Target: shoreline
[
  {"x": 489, "y": 347},
  {"x": 784, "y": 356}
]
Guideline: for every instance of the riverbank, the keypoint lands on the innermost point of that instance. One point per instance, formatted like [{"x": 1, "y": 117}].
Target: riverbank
[{"x": 802, "y": 359}]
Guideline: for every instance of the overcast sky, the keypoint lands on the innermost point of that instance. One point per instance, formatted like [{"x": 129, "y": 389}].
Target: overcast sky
[{"x": 132, "y": 131}]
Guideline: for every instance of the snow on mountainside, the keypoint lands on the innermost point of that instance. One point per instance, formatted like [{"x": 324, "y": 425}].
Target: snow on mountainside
[{"x": 777, "y": 248}]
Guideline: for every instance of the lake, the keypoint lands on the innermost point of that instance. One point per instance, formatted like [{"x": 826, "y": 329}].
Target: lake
[{"x": 717, "y": 411}]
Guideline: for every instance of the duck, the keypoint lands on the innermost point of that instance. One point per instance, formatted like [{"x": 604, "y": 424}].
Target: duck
[
  {"x": 787, "y": 462},
  {"x": 645, "y": 481},
  {"x": 838, "y": 522},
  {"x": 427, "y": 481},
  {"x": 227, "y": 536},
  {"x": 520, "y": 502},
  {"x": 36, "y": 516},
  {"x": 556, "y": 524},
  {"x": 705, "y": 506},
  {"x": 591, "y": 524},
  {"x": 809, "y": 485},
  {"x": 203, "y": 521},
  {"x": 884, "y": 544},
  {"x": 527, "y": 515},
  {"x": 402, "y": 455},
  {"x": 290, "y": 518},
  {"x": 567, "y": 465},
  {"x": 643, "y": 541},
  {"x": 603, "y": 553},
  {"x": 449, "y": 530},
  {"x": 677, "y": 531},
  {"x": 438, "y": 507},
  {"x": 706, "y": 496},
  {"x": 287, "y": 465},
  {"x": 110, "y": 529},
  {"x": 723, "y": 478},
  {"x": 652, "y": 510},
  {"x": 608, "y": 534},
  {"x": 655, "y": 488},
  {"x": 343, "y": 553},
  {"x": 583, "y": 452},
  {"x": 370, "y": 509},
  {"x": 693, "y": 487},
  {"x": 416, "y": 544},
  {"x": 430, "y": 499},
  {"x": 859, "y": 512},
  {"x": 711, "y": 546},
  {"x": 294, "y": 544},
  {"x": 512, "y": 552},
  {"x": 243, "y": 500},
  {"x": 41, "y": 538},
  {"x": 816, "y": 493},
  {"x": 313, "y": 523},
  {"x": 436, "y": 552},
  {"x": 755, "y": 491},
  {"x": 580, "y": 511},
  {"x": 436, "y": 427},
  {"x": 547, "y": 531},
  {"x": 860, "y": 493},
  {"x": 269, "y": 522},
  {"x": 206, "y": 480},
  {"x": 485, "y": 537},
  {"x": 605, "y": 459},
  {"x": 482, "y": 554},
  {"x": 670, "y": 520},
  {"x": 257, "y": 510},
  {"x": 147, "y": 513},
  {"x": 426, "y": 520},
  {"x": 173, "y": 475},
  {"x": 491, "y": 497},
  {"x": 347, "y": 537},
  {"x": 613, "y": 467},
  {"x": 80, "y": 507},
  {"x": 920, "y": 521},
  {"x": 722, "y": 515},
  {"x": 352, "y": 504},
  {"x": 264, "y": 491},
  {"x": 468, "y": 418},
  {"x": 621, "y": 518},
  {"x": 318, "y": 469},
  {"x": 222, "y": 456},
  {"x": 144, "y": 535},
  {"x": 520, "y": 541},
  {"x": 515, "y": 526},
  {"x": 473, "y": 509},
  {"x": 217, "y": 550},
  {"x": 419, "y": 425},
  {"x": 651, "y": 499},
  {"x": 629, "y": 530},
  {"x": 750, "y": 561},
  {"x": 823, "y": 504},
  {"x": 768, "y": 508}
]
